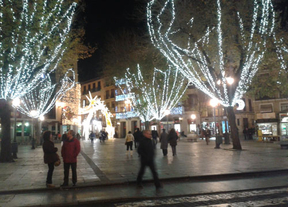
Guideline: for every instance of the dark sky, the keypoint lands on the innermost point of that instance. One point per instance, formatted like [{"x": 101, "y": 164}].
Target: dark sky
[{"x": 103, "y": 17}]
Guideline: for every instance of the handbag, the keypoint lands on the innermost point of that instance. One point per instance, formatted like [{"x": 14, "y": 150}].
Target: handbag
[{"x": 58, "y": 161}]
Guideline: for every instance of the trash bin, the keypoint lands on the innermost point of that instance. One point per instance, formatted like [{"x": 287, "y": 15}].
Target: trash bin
[
  {"x": 226, "y": 138},
  {"x": 218, "y": 141}
]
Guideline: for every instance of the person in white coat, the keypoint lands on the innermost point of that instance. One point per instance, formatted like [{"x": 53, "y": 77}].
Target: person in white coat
[{"x": 129, "y": 143}]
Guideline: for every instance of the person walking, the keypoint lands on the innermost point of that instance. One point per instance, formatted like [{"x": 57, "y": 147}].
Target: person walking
[
  {"x": 137, "y": 136},
  {"x": 146, "y": 152},
  {"x": 207, "y": 136},
  {"x": 172, "y": 138},
  {"x": 164, "y": 142},
  {"x": 129, "y": 143},
  {"x": 50, "y": 156},
  {"x": 155, "y": 136},
  {"x": 69, "y": 152}
]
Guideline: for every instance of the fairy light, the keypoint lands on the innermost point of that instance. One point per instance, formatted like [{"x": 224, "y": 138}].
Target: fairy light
[
  {"x": 199, "y": 72},
  {"x": 42, "y": 99},
  {"x": 96, "y": 104},
  {"x": 25, "y": 61},
  {"x": 151, "y": 99}
]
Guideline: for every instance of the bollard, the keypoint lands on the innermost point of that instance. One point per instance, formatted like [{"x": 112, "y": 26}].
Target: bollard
[{"x": 218, "y": 141}]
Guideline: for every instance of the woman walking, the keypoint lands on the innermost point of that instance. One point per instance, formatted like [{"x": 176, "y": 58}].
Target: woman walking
[
  {"x": 50, "y": 156},
  {"x": 129, "y": 143},
  {"x": 172, "y": 138},
  {"x": 164, "y": 142}
]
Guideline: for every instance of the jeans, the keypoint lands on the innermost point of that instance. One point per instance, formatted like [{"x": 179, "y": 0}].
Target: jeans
[
  {"x": 173, "y": 150},
  {"x": 50, "y": 173},
  {"x": 129, "y": 145},
  {"x": 66, "y": 172},
  {"x": 151, "y": 165}
]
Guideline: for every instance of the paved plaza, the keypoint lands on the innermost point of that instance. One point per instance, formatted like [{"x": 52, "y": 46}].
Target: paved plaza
[{"x": 108, "y": 163}]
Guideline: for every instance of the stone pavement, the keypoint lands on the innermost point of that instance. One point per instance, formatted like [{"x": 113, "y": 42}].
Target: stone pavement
[
  {"x": 108, "y": 163},
  {"x": 104, "y": 164}
]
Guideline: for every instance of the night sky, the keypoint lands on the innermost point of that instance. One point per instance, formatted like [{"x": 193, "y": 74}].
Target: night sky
[{"x": 103, "y": 17}]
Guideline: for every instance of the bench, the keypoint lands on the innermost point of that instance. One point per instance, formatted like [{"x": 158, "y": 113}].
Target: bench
[
  {"x": 284, "y": 144},
  {"x": 192, "y": 137}
]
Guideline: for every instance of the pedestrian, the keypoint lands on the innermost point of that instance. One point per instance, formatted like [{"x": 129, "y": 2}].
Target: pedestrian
[
  {"x": 64, "y": 137},
  {"x": 50, "y": 156},
  {"x": 207, "y": 135},
  {"x": 245, "y": 132},
  {"x": 172, "y": 138},
  {"x": 69, "y": 152},
  {"x": 146, "y": 152},
  {"x": 164, "y": 142},
  {"x": 129, "y": 143},
  {"x": 155, "y": 136},
  {"x": 92, "y": 136},
  {"x": 137, "y": 136}
]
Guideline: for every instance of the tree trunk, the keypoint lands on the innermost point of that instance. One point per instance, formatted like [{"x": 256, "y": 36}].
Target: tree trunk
[
  {"x": 5, "y": 114},
  {"x": 147, "y": 123},
  {"x": 37, "y": 132},
  {"x": 234, "y": 129}
]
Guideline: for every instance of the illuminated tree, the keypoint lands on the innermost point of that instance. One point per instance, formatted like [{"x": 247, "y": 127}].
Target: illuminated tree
[
  {"x": 228, "y": 45},
  {"x": 32, "y": 42},
  {"x": 151, "y": 97}
]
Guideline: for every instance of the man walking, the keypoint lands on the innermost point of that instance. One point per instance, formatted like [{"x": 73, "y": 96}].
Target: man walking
[
  {"x": 69, "y": 152},
  {"x": 137, "y": 137},
  {"x": 146, "y": 152}
]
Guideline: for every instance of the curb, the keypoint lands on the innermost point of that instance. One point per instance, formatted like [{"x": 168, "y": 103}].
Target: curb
[{"x": 215, "y": 177}]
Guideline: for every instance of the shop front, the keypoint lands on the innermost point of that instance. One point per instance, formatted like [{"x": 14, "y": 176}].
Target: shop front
[
  {"x": 283, "y": 124},
  {"x": 267, "y": 124}
]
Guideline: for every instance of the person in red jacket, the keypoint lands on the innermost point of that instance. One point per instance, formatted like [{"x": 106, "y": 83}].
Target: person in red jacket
[{"x": 69, "y": 152}]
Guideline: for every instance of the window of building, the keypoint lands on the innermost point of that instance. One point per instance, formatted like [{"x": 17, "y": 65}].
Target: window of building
[
  {"x": 266, "y": 108},
  {"x": 116, "y": 108},
  {"x": 112, "y": 93},
  {"x": 284, "y": 106},
  {"x": 113, "y": 106},
  {"x": 250, "y": 105},
  {"x": 192, "y": 100},
  {"x": 107, "y": 94},
  {"x": 89, "y": 87},
  {"x": 94, "y": 86},
  {"x": 99, "y": 86}
]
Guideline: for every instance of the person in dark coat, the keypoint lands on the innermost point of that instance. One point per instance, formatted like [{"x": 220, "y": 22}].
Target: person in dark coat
[
  {"x": 50, "y": 156},
  {"x": 207, "y": 136},
  {"x": 155, "y": 136},
  {"x": 245, "y": 132},
  {"x": 69, "y": 152},
  {"x": 164, "y": 142},
  {"x": 137, "y": 136},
  {"x": 172, "y": 138},
  {"x": 146, "y": 152}
]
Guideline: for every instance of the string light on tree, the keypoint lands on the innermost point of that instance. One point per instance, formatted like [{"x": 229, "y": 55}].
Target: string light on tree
[
  {"x": 153, "y": 97},
  {"x": 42, "y": 99},
  {"x": 34, "y": 44}
]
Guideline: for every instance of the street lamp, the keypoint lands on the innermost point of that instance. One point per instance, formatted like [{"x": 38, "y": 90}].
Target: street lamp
[
  {"x": 16, "y": 102},
  {"x": 214, "y": 103},
  {"x": 167, "y": 112}
]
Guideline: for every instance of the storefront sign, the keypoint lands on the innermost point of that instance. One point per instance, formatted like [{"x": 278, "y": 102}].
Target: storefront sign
[{"x": 266, "y": 116}]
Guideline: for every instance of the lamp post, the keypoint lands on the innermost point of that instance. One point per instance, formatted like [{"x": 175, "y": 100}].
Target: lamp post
[
  {"x": 16, "y": 102},
  {"x": 218, "y": 141},
  {"x": 167, "y": 112},
  {"x": 193, "y": 117}
]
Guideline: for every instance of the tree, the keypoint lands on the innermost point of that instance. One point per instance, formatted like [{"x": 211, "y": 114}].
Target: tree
[
  {"x": 228, "y": 45},
  {"x": 152, "y": 96},
  {"x": 33, "y": 36}
]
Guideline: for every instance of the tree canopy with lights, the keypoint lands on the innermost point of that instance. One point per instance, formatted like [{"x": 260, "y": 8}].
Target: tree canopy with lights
[
  {"x": 219, "y": 54},
  {"x": 152, "y": 96},
  {"x": 32, "y": 43}
]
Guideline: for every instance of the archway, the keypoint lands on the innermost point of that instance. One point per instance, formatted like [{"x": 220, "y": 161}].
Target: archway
[{"x": 96, "y": 105}]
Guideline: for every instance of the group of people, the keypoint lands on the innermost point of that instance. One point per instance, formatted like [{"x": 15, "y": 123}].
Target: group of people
[
  {"x": 69, "y": 152},
  {"x": 102, "y": 136}
]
